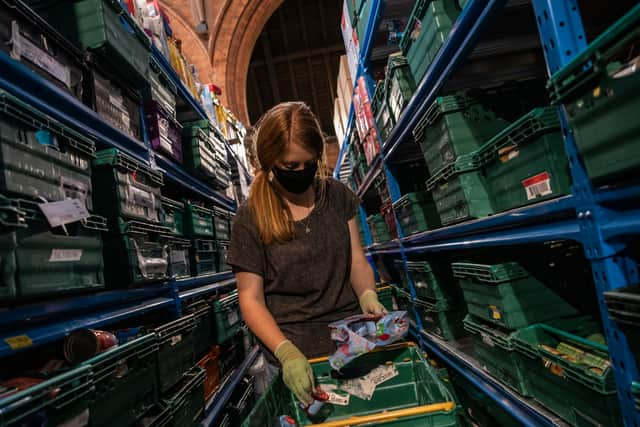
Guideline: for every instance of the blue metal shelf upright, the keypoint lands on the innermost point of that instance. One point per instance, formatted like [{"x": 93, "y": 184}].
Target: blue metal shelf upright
[{"x": 583, "y": 216}]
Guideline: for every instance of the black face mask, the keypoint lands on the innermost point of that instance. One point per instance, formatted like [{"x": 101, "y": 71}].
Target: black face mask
[{"x": 296, "y": 182}]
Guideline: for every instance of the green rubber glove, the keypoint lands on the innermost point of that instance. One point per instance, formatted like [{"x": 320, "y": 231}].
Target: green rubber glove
[
  {"x": 296, "y": 371},
  {"x": 369, "y": 303}
]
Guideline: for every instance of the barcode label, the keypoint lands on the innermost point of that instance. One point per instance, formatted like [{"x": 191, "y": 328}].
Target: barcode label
[
  {"x": 538, "y": 186},
  {"x": 65, "y": 255}
]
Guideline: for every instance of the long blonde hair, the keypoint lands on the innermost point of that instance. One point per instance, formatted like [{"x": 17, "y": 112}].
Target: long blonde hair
[{"x": 283, "y": 124}]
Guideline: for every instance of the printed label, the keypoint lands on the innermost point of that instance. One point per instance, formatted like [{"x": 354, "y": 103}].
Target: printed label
[
  {"x": 233, "y": 317},
  {"x": 65, "y": 255},
  {"x": 21, "y": 47},
  {"x": 538, "y": 186},
  {"x": 508, "y": 153},
  {"x": 175, "y": 340},
  {"x": 338, "y": 399},
  {"x": 18, "y": 342},
  {"x": 495, "y": 312},
  {"x": 64, "y": 212}
]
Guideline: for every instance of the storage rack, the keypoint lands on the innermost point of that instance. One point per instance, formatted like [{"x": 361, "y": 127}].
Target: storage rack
[
  {"x": 584, "y": 216},
  {"x": 103, "y": 308}
]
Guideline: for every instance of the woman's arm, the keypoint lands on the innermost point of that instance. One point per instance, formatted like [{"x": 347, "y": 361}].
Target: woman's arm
[
  {"x": 255, "y": 312},
  {"x": 362, "y": 279}
]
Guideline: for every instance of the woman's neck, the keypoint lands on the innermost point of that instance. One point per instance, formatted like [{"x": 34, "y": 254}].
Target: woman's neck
[{"x": 306, "y": 199}]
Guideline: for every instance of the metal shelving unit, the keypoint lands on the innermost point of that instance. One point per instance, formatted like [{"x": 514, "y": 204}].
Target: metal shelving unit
[{"x": 587, "y": 216}]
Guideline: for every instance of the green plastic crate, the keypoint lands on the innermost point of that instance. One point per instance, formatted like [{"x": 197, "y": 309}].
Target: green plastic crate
[
  {"x": 126, "y": 383},
  {"x": 496, "y": 353},
  {"x": 175, "y": 351},
  {"x": 103, "y": 27},
  {"x": 400, "y": 84},
  {"x": 39, "y": 261},
  {"x": 526, "y": 162},
  {"x": 198, "y": 149},
  {"x": 204, "y": 326},
  {"x": 581, "y": 393},
  {"x": 126, "y": 187},
  {"x": 426, "y": 31},
  {"x": 179, "y": 257},
  {"x": 221, "y": 256},
  {"x": 416, "y": 212},
  {"x": 381, "y": 110},
  {"x": 136, "y": 253},
  {"x": 635, "y": 390},
  {"x": 161, "y": 89},
  {"x": 222, "y": 223},
  {"x": 198, "y": 220},
  {"x": 601, "y": 100},
  {"x": 364, "y": 15},
  {"x": 378, "y": 228},
  {"x": 438, "y": 317},
  {"x": 507, "y": 295},
  {"x": 58, "y": 400},
  {"x": 243, "y": 400},
  {"x": 416, "y": 386},
  {"x": 623, "y": 306},
  {"x": 429, "y": 283},
  {"x": 452, "y": 126},
  {"x": 173, "y": 215},
  {"x": 40, "y": 157},
  {"x": 187, "y": 404},
  {"x": 459, "y": 195},
  {"x": 228, "y": 318},
  {"x": 203, "y": 257}
]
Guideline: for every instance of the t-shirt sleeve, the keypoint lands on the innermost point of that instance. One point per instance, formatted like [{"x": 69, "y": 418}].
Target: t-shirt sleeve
[
  {"x": 347, "y": 202},
  {"x": 246, "y": 252}
]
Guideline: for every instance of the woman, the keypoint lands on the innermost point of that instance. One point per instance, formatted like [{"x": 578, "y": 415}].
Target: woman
[{"x": 295, "y": 248}]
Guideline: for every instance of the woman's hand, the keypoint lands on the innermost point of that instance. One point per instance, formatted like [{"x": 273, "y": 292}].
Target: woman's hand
[
  {"x": 296, "y": 371},
  {"x": 369, "y": 303}
]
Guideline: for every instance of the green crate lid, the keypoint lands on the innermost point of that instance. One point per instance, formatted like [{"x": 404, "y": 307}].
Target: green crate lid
[
  {"x": 491, "y": 335},
  {"x": 36, "y": 119},
  {"x": 498, "y": 273},
  {"x": 585, "y": 69},
  {"x": 442, "y": 105},
  {"x": 527, "y": 128},
  {"x": 114, "y": 158}
]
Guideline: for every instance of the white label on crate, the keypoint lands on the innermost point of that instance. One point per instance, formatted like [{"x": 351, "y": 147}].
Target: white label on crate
[
  {"x": 64, "y": 211},
  {"x": 176, "y": 339},
  {"x": 178, "y": 257},
  {"x": 538, "y": 185},
  {"x": 65, "y": 255},
  {"x": 233, "y": 317},
  {"x": 421, "y": 285},
  {"x": 382, "y": 374},
  {"x": 487, "y": 339},
  {"x": 21, "y": 47}
]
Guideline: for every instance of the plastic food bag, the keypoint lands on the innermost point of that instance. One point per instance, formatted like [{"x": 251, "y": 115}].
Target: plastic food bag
[{"x": 357, "y": 335}]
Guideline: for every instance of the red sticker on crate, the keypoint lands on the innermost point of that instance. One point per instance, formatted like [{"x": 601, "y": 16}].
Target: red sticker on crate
[{"x": 538, "y": 185}]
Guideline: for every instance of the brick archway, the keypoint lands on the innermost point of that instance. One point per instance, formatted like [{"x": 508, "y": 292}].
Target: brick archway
[{"x": 234, "y": 28}]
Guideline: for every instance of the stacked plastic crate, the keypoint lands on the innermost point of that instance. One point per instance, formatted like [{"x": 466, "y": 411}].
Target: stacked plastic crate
[
  {"x": 51, "y": 240},
  {"x": 205, "y": 153},
  {"x": 365, "y": 123},
  {"x": 529, "y": 337}
]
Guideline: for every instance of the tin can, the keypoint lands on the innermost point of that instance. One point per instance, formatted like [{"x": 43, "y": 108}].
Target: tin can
[
  {"x": 319, "y": 398},
  {"x": 83, "y": 344}
]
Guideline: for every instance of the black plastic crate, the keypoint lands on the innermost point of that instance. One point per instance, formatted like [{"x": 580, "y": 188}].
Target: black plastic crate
[
  {"x": 223, "y": 249},
  {"x": 175, "y": 351},
  {"x": 179, "y": 258},
  {"x": 203, "y": 256},
  {"x": 126, "y": 382},
  {"x": 242, "y": 400},
  {"x": 624, "y": 308},
  {"x": 204, "y": 330},
  {"x": 222, "y": 224},
  {"x": 136, "y": 253},
  {"x": 187, "y": 404},
  {"x": 28, "y": 38}
]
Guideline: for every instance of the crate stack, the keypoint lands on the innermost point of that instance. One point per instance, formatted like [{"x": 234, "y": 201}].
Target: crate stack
[
  {"x": 437, "y": 301},
  {"x": 365, "y": 123},
  {"x": 530, "y": 338},
  {"x": 206, "y": 153},
  {"x": 51, "y": 231}
]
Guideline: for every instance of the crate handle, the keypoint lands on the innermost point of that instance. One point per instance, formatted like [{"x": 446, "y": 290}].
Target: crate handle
[
  {"x": 375, "y": 350},
  {"x": 389, "y": 416},
  {"x": 575, "y": 338}
]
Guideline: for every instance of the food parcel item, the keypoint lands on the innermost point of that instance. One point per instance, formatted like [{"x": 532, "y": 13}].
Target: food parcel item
[{"x": 359, "y": 334}]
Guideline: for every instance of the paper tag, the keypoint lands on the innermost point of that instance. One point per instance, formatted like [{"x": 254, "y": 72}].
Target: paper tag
[
  {"x": 18, "y": 342},
  {"x": 21, "y": 47},
  {"x": 64, "y": 212},
  {"x": 338, "y": 399},
  {"x": 233, "y": 317},
  {"x": 495, "y": 312},
  {"x": 382, "y": 374},
  {"x": 176, "y": 339},
  {"x": 65, "y": 255},
  {"x": 538, "y": 186},
  {"x": 487, "y": 339}
]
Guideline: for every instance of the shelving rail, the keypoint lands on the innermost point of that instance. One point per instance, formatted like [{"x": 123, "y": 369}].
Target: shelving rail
[
  {"x": 25, "y": 324},
  {"x": 599, "y": 218}
]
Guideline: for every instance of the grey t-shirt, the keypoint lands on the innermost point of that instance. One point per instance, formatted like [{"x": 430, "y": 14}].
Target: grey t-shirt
[{"x": 306, "y": 280}]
